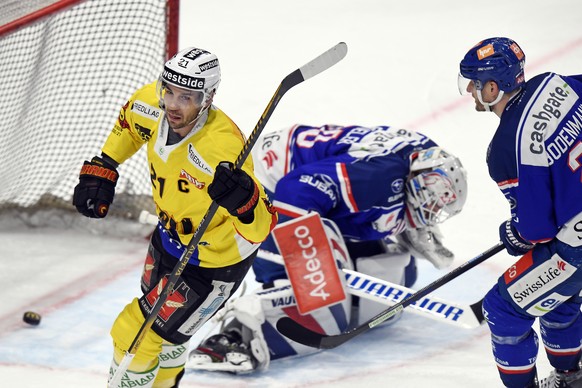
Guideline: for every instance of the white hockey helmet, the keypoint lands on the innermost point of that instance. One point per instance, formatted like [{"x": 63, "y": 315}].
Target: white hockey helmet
[
  {"x": 193, "y": 69},
  {"x": 437, "y": 187}
]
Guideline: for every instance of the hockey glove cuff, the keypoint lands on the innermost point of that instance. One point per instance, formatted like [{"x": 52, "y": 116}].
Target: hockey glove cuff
[
  {"x": 96, "y": 188},
  {"x": 514, "y": 243},
  {"x": 234, "y": 190}
]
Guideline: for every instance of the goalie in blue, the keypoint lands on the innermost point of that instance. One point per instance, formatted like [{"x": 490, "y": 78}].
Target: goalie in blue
[
  {"x": 534, "y": 157},
  {"x": 381, "y": 191}
]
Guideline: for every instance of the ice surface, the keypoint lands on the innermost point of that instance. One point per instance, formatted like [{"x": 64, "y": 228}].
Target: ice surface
[{"x": 401, "y": 69}]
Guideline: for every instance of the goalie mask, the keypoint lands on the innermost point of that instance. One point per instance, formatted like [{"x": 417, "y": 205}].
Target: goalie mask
[
  {"x": 437, "y": 187},
  {"x": 192, "y": 69}
]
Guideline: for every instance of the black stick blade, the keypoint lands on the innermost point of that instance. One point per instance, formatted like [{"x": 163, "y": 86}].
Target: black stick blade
[
  {"x": 298, "y": 333},
  {"x": 477, "y": 308}
]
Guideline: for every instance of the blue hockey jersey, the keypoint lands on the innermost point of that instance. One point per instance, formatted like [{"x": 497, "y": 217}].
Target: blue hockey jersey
[
  {"x": 535, "y": 155},
  {"x": 352, "y": 175}
]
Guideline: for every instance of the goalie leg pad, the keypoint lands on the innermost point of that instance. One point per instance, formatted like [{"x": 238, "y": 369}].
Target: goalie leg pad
[{"x": 258, "y": 314}]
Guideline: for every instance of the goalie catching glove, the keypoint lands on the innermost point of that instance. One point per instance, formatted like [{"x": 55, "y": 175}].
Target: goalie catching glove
[
  {"x": 94, "y": 193},
  {"x": 234, "y": 190},
  {"x": 427, "y": 243}
]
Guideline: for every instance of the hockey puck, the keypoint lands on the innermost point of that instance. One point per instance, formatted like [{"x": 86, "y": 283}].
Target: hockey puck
[{"x": 31, "y": 318}]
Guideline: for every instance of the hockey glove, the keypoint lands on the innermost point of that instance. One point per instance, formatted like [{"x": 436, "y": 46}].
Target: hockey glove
[
  {"x": 96, "y": 188},
  {"x": 427, "y": 243},
  {"x": 234, "y": 190},
  {"x": 514, "y": 243}
]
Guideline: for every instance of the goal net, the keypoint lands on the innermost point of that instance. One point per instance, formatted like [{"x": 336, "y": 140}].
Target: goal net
[{"x": 66, "y": 69}]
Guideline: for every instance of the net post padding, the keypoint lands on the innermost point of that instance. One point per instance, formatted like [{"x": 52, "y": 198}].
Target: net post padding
[{"x": 173, "y": 25}]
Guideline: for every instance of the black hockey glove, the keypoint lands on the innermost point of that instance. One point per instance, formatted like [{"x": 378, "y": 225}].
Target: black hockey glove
[
  {"x": 96, "y": 188},
  {"x": 234, "y": 190},
  {"x": 514, "y": 243}
]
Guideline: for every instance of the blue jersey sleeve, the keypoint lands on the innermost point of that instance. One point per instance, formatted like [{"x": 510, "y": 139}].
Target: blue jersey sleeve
[{"x": 312, "y": 187}]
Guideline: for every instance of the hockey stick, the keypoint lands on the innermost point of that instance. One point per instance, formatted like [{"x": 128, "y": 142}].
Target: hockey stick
[
  {"x": 388, "y": 293},
  {"x": 311, "y": 69},
  {"x": 293, "y": 330}
]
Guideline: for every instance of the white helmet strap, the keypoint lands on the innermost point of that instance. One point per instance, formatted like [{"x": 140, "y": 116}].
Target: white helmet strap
[{"x": 488, "y": 105}]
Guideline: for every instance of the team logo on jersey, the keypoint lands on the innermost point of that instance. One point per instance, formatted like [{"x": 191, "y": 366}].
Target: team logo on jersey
[
  {"x": 145, "y": 110},
  {"x": 196, "y": 159},
  {"x": 512, "y": 202},
  {"x": 191, "y": 179},
  {"x": 144, "y": 133},
  {"x": 323, "y": 183},
  {"x": 123, "y": 116},
  {"x": 397, "y": 186}
]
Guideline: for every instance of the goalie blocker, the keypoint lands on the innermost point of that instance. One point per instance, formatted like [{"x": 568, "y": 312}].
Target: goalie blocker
[{"x": 316, "y": 295}]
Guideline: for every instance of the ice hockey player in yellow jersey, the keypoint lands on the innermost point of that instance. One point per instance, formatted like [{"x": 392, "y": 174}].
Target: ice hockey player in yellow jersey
[{"x": 191, "y": 146}]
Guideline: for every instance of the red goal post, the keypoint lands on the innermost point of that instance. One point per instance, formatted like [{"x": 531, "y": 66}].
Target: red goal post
[{"x": 66, "y": 68}]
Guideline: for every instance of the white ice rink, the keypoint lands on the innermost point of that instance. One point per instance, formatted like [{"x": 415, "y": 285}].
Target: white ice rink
[{"x": 401, "y": 70}]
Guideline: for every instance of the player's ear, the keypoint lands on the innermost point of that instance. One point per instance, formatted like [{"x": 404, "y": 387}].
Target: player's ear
[{"x": 493, "y": 87}]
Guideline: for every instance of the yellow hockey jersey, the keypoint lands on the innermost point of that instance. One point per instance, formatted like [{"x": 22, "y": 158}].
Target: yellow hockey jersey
[{"x": 181, "y": 173}]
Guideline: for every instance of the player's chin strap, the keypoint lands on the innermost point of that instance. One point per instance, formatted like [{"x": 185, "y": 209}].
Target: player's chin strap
[
  {"x": 488, "y": 105},
  {"x": 204, "y": 109}
]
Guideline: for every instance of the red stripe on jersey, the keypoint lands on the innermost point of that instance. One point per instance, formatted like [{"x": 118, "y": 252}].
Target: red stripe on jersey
[
  {"x": 348, "y": 186},
  {"x": 287, "y": 212},
  {"x": 565, "y": 352},
  {"x": 507, "y": 183},
  {"x": 523, "y": 370},
  {"x": 518, "y": 268}
]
